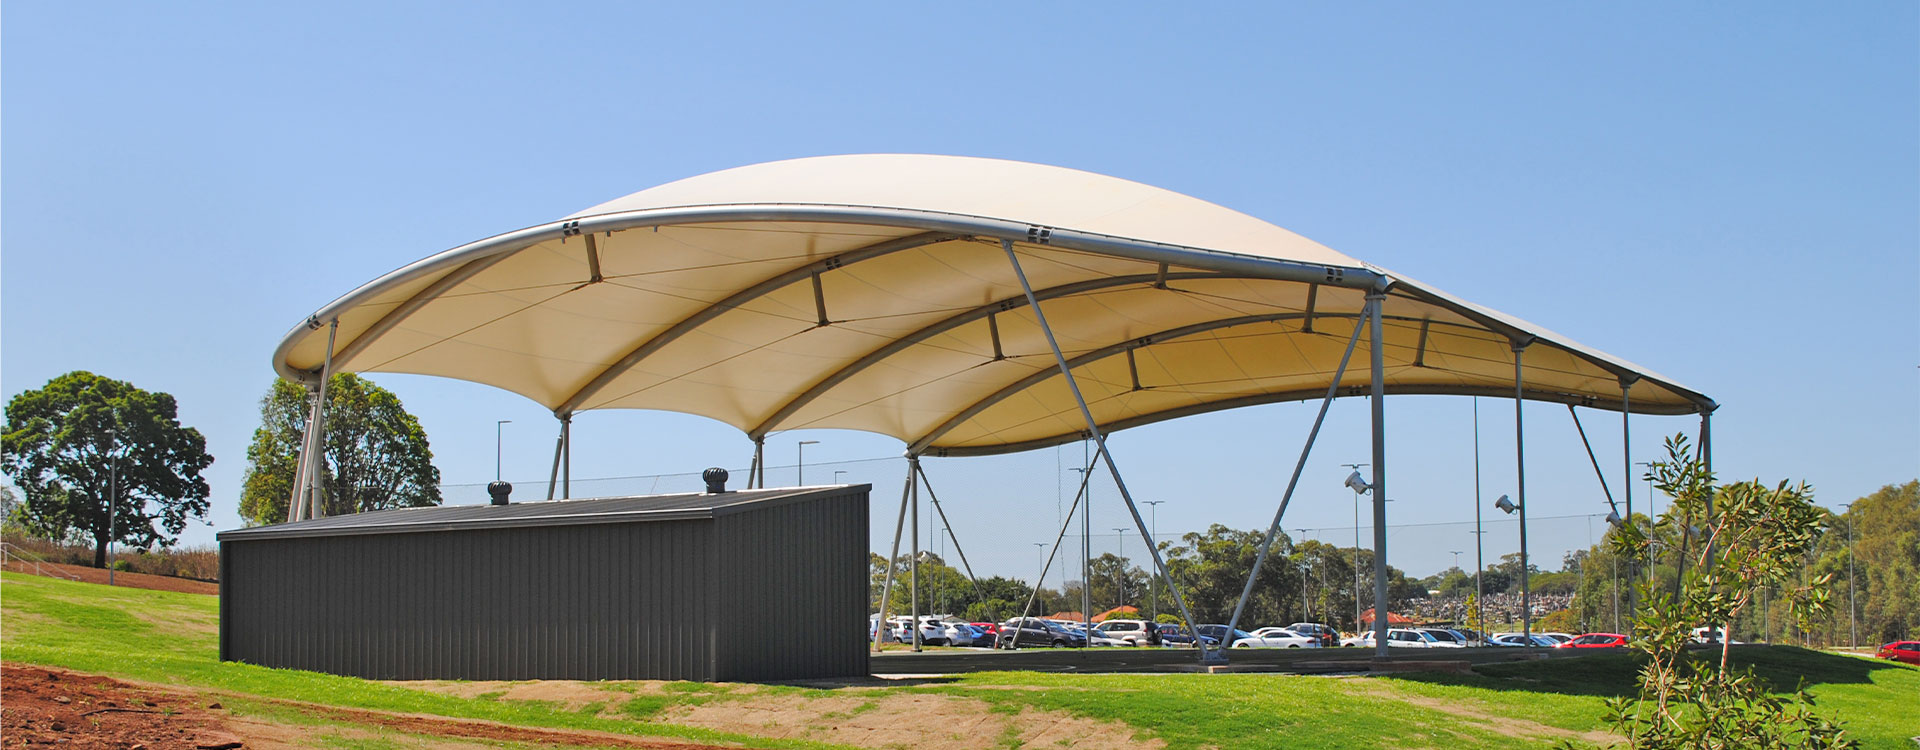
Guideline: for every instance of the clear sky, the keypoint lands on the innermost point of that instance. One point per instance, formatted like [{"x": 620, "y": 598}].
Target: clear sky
[{"x": 1728, "y": 194}]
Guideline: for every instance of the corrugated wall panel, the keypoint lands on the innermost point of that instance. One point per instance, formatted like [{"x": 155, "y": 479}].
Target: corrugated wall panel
[{"x": 668, "y": 599}]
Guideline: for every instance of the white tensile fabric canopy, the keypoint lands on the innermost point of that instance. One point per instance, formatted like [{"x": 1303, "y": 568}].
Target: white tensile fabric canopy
[{"x": 872, "y": 292}]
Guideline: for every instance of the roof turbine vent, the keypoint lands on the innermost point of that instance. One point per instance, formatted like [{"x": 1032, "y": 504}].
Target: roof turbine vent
[
  {"x": 716, "y": 479},
  {"x": 499, "y": 491}
]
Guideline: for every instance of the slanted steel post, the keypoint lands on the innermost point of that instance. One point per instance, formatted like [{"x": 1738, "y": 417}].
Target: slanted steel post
[
  {"x": 553, "y": 477},
  {"x": 317, "y": 453},
  {"x": 566, "y": 456},
  {"x": 1273, "y": 529},
  {"x": 950, "y": 535},
  {"x": 886, "y": 589},
  {"x": 1376, "y": 344},
  {"x": 757, "y": 477},
  {"x": 297, "y": 500},
  {"x": 1100, "y": 438}
]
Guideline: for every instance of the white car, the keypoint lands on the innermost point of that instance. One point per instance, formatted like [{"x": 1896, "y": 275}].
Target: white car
[
  {"x": 1131, "y": 632},
  {"x": 1277, "y": 638},
  {"x": 1396, "y": 638},
  {"x": 1442, "y": 638}
]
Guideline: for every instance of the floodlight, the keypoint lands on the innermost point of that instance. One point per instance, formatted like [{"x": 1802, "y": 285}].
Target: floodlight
[
  {"x": 1613, "y": 518},
  {"x": 1505, "y": 504},
  {"x": 1355, "y": 483}
]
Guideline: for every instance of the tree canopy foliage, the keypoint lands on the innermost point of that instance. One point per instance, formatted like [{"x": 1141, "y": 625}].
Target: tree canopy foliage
[
  {"x": 377, "y": 456},
  {"x": 102, "y": 459}
]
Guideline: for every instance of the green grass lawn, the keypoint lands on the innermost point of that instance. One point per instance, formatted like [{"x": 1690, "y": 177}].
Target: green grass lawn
[{"x": 172, "y": 638}]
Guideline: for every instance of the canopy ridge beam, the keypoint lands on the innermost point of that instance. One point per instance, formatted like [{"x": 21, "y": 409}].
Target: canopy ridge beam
[
  {"x": 413, "y": 304},
  {"x": 1104, "y": 352},
  {"x": 739, "y": 299},
  {"x": 1093, "y": 426},
  {"x": 988, "y": 311},
  {"x": 1313, "y": 435}
]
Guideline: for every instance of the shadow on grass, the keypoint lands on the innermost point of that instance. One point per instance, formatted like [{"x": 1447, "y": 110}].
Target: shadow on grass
[{"x": 1615, "y": 673}]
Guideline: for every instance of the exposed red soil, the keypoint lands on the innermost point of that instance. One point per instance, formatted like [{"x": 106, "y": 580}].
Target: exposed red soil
[
  {"x": 120, "y": 578},
  {"x": 40, "y": 706}
]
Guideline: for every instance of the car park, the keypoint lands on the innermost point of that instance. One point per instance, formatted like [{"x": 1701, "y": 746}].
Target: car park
[
  {"x": 1442, "y": 638},
  {"x": 1902, "y": 651},
  {"x": 1173, "y": 636},
  {"x": 1278, "y": 638},
  {"x": 1597, "y": 640},
  {"x": 1033, "y": 631},
  {"x": 1327, "y": 636},
  {"x": 1133, "y": 632}
]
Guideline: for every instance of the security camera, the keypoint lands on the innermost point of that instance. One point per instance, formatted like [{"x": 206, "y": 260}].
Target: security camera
[
  {"x": 1355, "y": 483},
  {"x": 1505, "y": 504}
]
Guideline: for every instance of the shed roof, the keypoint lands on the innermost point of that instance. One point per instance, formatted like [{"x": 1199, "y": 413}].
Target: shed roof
[
  {"x": 600, "y": 510},
  {"x": 871, "y": 292}
]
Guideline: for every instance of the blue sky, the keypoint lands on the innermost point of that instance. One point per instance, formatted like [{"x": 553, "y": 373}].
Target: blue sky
[{"x": 1727, "y": 194}]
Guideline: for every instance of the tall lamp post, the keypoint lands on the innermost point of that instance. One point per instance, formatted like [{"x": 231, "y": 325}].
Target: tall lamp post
[
  {"x": 1526, "y": 600},
  {"x": 113, "y": 495},
  {"x": 1120, "y": 573},
  {"x": 836, "y": 475},
  {"x": 1306, "y": 612},
  {"x": 1153, "y": 582},
  {"x": 800, "y": 462},
  {"x": 499, "y": 430},
  {"x": 1853, "y": 631},
  {"x": 1356, "y": 547}
]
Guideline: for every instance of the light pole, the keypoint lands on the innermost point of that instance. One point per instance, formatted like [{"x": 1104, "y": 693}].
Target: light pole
[
  {"x": 1306, "y": 612},
  {"x": 1479, "y": 534},
  {"x": 499, "y": 430},
  {"x": 1526, "y": 600},
  {"x": 800, "y": 462},
  {"x": 1153, "y": 582},
  {"x": 1456, "y": 566},
  {"x": 1120, "y": 568},
  {"x": 113, "y": 495},
  {"x": 1853, "y": 631},
  {"x": 1356, "y": 550}
]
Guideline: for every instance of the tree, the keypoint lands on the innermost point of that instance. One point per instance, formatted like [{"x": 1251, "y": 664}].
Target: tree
[
  {"x": 103, "y": 459},
  {"x": 1748, "y": 537},
  {"x": 377, "y": 455}
]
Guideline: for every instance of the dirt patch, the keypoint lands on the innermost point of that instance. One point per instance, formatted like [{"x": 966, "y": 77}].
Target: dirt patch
[
  {"x": 43, "y": 706},
  {"x": 52, "y": 706},
  {"x": 1493, "y": 722},
  {"x": 120, "y": 578},
  {"x": 922, "y": 722},
  {"x": 568, "y": 695}
]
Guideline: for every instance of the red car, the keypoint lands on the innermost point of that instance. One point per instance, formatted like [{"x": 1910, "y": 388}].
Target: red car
[
  {"x": 1596, "y": 640},
  {"x": 992, "y": 628},
  {"x": 1906, "y": 651}
]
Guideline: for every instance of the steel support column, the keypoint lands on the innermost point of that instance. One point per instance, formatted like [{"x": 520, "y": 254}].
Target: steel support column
[
  {"x": 1100, "y": 438},
  {"x": 1376, "y": 345},
  {"x": 886, "y": 589},
  {"x": 553, "y": 477},
  {"x": 566, "y": 455},
  {"x": 913, "y": 570},
  {"x": 317, "y": 455},
  {"x": 1626, "y": 481},
  {"x": 1520, "y": 471},
  {"x": 1273, "y": 529}
]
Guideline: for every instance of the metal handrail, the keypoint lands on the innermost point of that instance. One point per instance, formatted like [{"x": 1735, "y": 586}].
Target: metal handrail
[{"x": 25, "y": 558}]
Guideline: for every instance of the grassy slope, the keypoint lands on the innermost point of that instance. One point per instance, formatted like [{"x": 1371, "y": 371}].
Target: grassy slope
[{"x": 172, "y": 638}]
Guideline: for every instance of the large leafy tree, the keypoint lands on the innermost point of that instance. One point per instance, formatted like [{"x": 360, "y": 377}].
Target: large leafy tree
[
  {"x": 101, "y": 459},
  {"x": 377, "y": 455}
]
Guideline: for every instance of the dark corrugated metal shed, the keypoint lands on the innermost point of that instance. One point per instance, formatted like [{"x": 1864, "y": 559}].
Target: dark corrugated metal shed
[{"x": 749, "y": 585}]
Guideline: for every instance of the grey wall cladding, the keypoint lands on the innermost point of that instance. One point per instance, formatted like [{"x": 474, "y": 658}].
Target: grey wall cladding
[{"x": 771, "y": 586}]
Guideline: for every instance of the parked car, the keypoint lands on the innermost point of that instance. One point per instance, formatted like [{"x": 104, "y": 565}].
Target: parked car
[
  {"x": 1327, "y": 636},
  {"x": 1177, "y": 636},
  {"x": 967, "y": 634},
  {"x": 1557, "y": 637},
  {"x": 1134, "y": 632},
  {"x": 1033, "y": 631},
  {"x": 992, "y": 628},
  {"x": 1396, "y": 638},
  {"x": 1442, "y": 638},
  {"x": 1597, "y": 640},
  {"x": 1278, "y": 638},
  {"x": 1906, "y": 651},
  {"x": 1219, "y": 634},
  {"x": 1474, "y": 637}
]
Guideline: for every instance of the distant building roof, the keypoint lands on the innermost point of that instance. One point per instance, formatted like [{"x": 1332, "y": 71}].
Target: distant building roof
[{"x": 650, "y": 508}]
